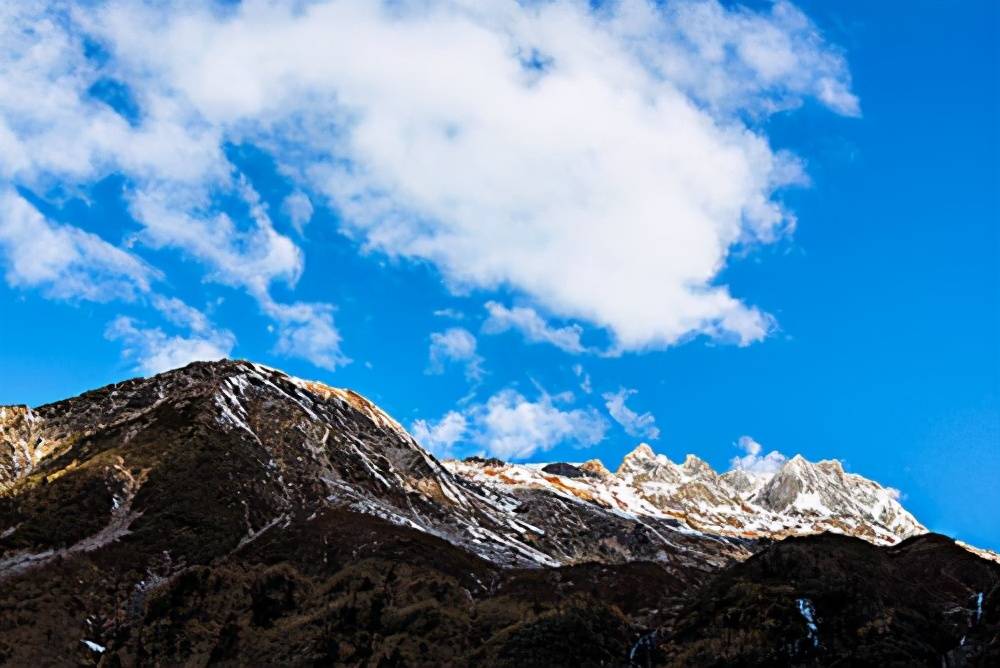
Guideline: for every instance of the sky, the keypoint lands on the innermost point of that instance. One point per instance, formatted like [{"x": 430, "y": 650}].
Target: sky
[{"x": 540, "y": 230}]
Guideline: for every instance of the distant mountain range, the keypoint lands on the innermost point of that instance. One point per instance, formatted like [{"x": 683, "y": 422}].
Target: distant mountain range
[{"x": 228, "y": 513}]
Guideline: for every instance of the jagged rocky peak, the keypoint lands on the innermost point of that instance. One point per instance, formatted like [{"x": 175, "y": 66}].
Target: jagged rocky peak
[
  {"x": 642, "y": 455},
  {"x": 824, "y": 489},
  {"x": 644, "y": 465},
  {"x": 696, "y": 467},
  {"x": 596, "y": 467},
  {"x": 740, "y": 482},
  {"x": 800, "y": 498}
]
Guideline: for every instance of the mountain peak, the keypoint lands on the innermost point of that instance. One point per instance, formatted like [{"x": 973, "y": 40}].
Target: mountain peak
[
  {"x": 595, "y": 466},
  {"x": 696, "y": 466},
  {"x": 641, "y": 451}
]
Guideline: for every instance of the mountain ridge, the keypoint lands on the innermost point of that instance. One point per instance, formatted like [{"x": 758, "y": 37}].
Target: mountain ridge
[
  {"x": 799, "y": 499},
  {"x": 226, "y": 512}
]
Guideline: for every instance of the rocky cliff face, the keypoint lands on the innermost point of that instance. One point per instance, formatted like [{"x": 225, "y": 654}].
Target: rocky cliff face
[{"x": 229, "y": 513}]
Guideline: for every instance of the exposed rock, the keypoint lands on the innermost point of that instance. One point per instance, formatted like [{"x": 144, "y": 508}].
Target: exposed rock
[
  {"x": 564, "y": 469},
  {"x": 596, "y": 467}
]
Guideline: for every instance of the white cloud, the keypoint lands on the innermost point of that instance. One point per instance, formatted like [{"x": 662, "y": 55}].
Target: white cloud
[
  {"x": 607, "y": 185},
  {"x": 584, "y": 377},
  {"x": 155, "y": 351},
  {"x": 250, "y": 258},
  {"x": 510, "y": 426},
  {"x": 451, "y": 313},
  {"x": 895, "y": 494},
  {"x": 753, "y": 462},
  {"x": 54, "y": 131},
  {"x": 306, "y": 330},
  {"x": 181, "y": 314},
  {"x": 298, "y": 209},
  {"x": 441, "y": 436},
  {"x": 65, "y": 261},
  {"x": 633, "y": 423},
  {"x": 455, "y": 344},
  {"x": 532, "y": 326}
]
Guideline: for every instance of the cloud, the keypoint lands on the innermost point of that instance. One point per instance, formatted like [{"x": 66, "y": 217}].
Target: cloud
[
  {"x": 597, "y": 162},
  {"x": 306, "y": 330},
  {"x": 298, "y": 209},
  {"x": 584, "y": 377},
  {"x": 532, "y": 326},
  {"x": 753, "y": 462},
  {"x": 451, "y": 313},
  {"x": 510, "y": 426},
  {"x": 59, "y": 133},
  {"x": 455, "y": 344},
  {"x": 154, "y": 351},
  {"x": 634, "y": 424},
  {"x": 441, "y": 436},
  {"x": 65, "y": 261},
  {"x": 181, "y": 314}
]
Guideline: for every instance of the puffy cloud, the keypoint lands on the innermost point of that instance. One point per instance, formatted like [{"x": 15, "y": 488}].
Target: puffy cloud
[
  {"x": 65, "y": 261},
  {"x": 753, "y": 462},
  {"x": 532, "y": 326},
  {"x": 455, "y": 345},
  {"x": 633, "y": 423},
  {"x": 441, "y": 436},
  {"x": 155, "y": 351},
  {"x": 510, "y": 426},
  {"x": 596, "y": 161}
]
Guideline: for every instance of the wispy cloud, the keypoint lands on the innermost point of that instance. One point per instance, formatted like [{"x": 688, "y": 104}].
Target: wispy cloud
[
  {"x": 532, "y": 327},
  {"x": 298, "y": 209},
  {"x": 64, "y": 261},
  {"x": 634, "y": 424},
  {"x": 154, "y": 351},
  {"x": 584, "y": 377},
  {"x": 455, "y": 345}
]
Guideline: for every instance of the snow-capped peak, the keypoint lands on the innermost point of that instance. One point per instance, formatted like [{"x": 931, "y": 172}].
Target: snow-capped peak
[{"x": 800, "y": 498}]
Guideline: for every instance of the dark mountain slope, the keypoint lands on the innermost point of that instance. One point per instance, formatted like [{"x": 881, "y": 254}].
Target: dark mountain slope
[
  {"x": 913, "y": 604},
  {"x": 335, "y": 588}
]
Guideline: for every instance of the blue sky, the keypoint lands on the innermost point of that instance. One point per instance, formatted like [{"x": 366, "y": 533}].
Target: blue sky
[{"x": 544, "y": 233}]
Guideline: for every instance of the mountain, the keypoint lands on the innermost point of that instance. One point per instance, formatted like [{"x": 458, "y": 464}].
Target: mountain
[
  {"x": 801, "y": 498},
  {"x": 228, "y": 513}
]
